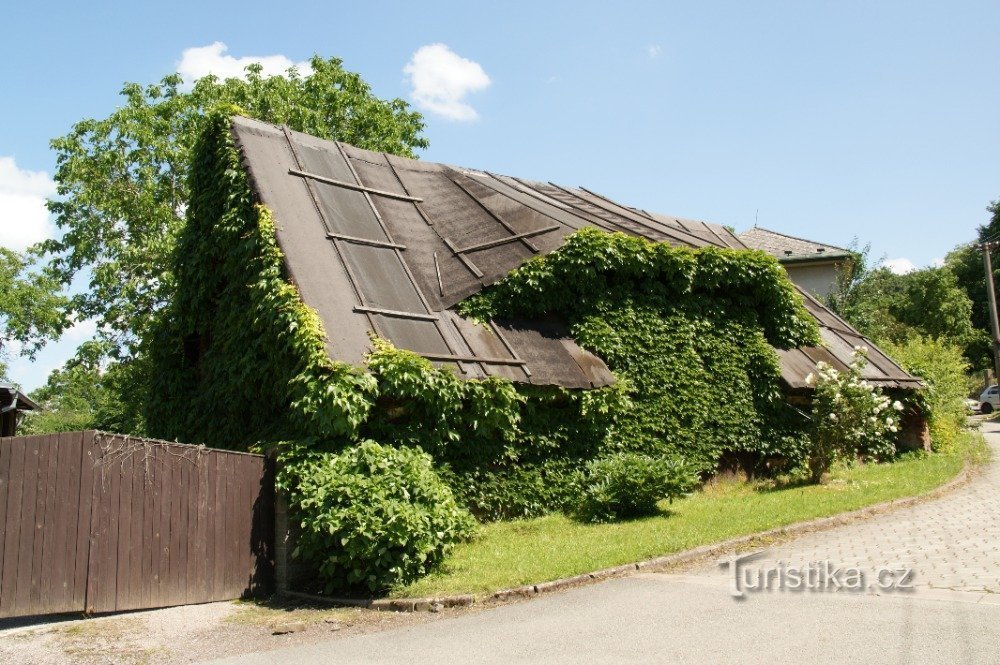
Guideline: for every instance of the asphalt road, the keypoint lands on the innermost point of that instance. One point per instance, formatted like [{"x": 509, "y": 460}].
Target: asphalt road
[{"x": 951, "y": 615}]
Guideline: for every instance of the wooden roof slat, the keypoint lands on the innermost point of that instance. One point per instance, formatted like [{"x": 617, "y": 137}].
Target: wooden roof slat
[{"x": 356, "y": 188}]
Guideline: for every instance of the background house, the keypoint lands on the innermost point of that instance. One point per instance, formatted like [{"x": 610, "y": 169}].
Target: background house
[
  {"x": 13, "y": 404},
  {"x": 813, "y": 266}
]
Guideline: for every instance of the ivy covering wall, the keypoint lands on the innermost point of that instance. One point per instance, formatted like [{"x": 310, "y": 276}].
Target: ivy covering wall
[{"x": 241, "y": 361}]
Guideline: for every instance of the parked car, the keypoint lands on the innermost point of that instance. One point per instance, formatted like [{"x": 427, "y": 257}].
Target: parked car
[{"x": 989, "y": 399}]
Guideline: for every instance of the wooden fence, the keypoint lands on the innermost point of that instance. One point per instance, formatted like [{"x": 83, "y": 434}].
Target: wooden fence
[{"x": 101, "y": 523}]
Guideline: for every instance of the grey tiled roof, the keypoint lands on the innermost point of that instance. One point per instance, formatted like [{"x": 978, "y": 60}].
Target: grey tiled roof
[{"x": 790, "y": 248}]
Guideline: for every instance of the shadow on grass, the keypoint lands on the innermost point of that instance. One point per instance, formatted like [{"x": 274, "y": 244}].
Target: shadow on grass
[
  {"x": 783, "y": 484},
  {"x": 585, "y": 520}
]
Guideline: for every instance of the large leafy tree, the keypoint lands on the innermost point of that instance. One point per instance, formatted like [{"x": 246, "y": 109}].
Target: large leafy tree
[
  {"x": 934, "y": 303},
  {"x": 73, "y": 396},
  {"x": 31, "y": 308},
  {"x": 966, "y": 261},
  {"x": 892, "y": 308},
  {"x": 122, "y": 187}
]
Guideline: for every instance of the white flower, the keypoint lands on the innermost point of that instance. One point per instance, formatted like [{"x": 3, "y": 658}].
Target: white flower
[
  {"x": 893, "y": 428},
  {"x": 833, "y": 417},
  {"x": 889, "y": 422},
  {"x": 897, "y": 405},
  {"x": 810, "y": 379}
]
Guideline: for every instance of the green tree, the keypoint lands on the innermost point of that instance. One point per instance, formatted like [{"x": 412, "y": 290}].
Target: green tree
[
  {"x": 71, "y": 397},
  {"x": 935, "y": 305},
  {"x": 942, "y": 366},
  {"x": 966, "y": 261},
  {"x": 888, "y": 307},
  {"x": 31, "y": 309},
  {"x": 88, "y": 393},
  {"x": 122, "y": 187},
  {"x": 864, "y": 293},
  {"x": 123, "y": 195}
]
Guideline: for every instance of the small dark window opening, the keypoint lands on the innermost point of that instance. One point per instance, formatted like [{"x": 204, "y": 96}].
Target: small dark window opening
[{"x": 193, "y": 349}]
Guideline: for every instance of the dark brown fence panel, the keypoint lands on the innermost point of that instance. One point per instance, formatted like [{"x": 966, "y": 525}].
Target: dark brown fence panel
[{"x": 102, "y": 523}]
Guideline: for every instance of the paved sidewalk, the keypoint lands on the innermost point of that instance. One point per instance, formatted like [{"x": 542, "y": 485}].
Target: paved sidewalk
[
  {"x": 952, "y": 616},
  {"x": 951, "y": 543}
]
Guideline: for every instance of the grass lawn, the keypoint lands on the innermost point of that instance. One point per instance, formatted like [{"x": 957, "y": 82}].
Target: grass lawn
[{"x": 509, "y": 554}]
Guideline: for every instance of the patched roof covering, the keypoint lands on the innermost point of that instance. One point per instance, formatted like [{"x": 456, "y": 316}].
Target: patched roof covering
[
  {"x": 789, "y": 248},
  {"x": 381, "y": 243}
]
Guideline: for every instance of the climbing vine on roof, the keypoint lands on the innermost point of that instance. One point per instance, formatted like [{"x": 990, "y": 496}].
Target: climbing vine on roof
[{"x": 240, "y": 361}]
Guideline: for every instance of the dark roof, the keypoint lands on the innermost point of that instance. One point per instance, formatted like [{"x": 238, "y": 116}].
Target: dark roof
[
  {"x": 9, "y": 393},
  {"x": 381, "y": 243},
  {"x": 789, "y": 249},
  {"x": 839, "y": 342}
]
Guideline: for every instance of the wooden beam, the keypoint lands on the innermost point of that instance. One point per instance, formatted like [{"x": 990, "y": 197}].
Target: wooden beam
[
  {"x": 365, "y": 241},
  {"x": 472, "y": 359},
  {"x": 395, "y": 313},
  {"x": 349, "y": 185},
  {"x": 504, "y": 241},
  {"x": 464, "y": 259}
]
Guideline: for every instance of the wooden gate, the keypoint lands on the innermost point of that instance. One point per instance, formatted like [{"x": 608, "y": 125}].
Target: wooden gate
[{"x": 101, "y": 523}]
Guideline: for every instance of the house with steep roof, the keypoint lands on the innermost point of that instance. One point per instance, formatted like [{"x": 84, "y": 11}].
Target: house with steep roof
[{"x": 814, "y": 266}]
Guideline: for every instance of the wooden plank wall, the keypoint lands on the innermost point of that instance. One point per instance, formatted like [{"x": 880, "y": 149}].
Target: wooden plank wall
[{"x": 102, "y": 523}]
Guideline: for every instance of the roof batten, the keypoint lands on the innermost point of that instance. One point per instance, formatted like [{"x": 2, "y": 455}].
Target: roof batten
[{"x": 356, "y": 188}]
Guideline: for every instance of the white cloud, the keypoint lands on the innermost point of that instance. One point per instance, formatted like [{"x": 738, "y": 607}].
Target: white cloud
[
  {"x": 80, "y": 331},
  {"x": 653, "y": 50},
  {"x": 212, "y": 59},
  {"x": 441, "y": 79},
  {"x": 24, "y": 219},
  {"x": 899, "y": 266},
  {"x": 937, "y": 263}
]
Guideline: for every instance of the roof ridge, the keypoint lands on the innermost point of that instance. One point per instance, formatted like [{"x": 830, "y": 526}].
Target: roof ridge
[{"x": 799, "y": 238}]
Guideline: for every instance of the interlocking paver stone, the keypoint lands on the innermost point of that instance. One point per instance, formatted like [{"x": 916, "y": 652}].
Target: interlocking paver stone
[{"x": 951, "y": 542}]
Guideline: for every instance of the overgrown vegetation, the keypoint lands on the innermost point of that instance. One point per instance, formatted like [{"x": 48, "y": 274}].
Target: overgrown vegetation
[
  {"x": 851, "y": 418},
  {"x": 689, "y": 333},
  {"x": 926, "y": 321},
  {"x": 944, "y": 368},
  {"x": 210, "y": 343},
  {"x": 372, "y": 516},
  {"x": 931, "y": 302},
  {"x": 239, "y": 360},
  {"x": 512, "y": 553},
  {"x": 31, "y": 308},
  {"x": 122, "y": 199},
  {"x": 629, "y": 485}
]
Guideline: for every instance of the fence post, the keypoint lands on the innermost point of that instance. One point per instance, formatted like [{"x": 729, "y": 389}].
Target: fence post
[{"x": 281, "y": 542}]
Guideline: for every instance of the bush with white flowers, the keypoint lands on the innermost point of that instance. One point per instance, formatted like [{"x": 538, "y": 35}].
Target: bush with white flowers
[{"x": 851, "y": 417}]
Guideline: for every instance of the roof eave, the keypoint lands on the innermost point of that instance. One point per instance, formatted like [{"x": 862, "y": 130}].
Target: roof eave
[
  {"x": 809, "y": 258},
  {"x": 24, "y": 403}
]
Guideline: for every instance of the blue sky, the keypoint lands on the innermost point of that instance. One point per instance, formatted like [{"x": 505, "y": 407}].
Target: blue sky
[{"x": 833, "y": 121}]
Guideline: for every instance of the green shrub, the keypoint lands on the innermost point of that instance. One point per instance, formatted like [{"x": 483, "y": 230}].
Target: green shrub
[
  {"x": 521, "y": 490},
  {"x": 627, "y": 485},
  {"x": 851, "y": 418},
  {"x": 372, "y": 516},
  {"x": 943, "y": 367}
]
